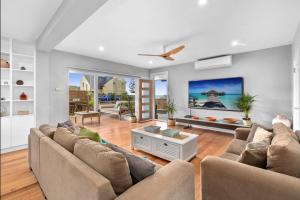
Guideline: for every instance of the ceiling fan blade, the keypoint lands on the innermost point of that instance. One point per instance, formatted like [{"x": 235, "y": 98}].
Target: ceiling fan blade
[
  {"x": 141, "y": 54},
  {"x": 168, "y": 58},
  {"x": 173, "y": 51}
]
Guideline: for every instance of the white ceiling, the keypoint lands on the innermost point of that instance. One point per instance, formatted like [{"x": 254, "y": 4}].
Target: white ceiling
[
  {"x": 128, "y": 27},
  {"x": 26, "y": 19}
]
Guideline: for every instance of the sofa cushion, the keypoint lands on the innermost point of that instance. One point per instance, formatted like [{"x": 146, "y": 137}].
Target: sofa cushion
[
  {"x": 70, "y": 126},
  {"x": 90, "y": 134},
  {"x": 280, "y": 128},
  {"x": 112, "y": 165},
  {"x": 262, "y": 135},
  {"x": 140, "y": 168},
  {"x": 236, "y": 146},
  {"x": 66, "y": 139},
  {"x": 253, "y": 130},
  {"x": 230, "y": 156},
  {"x": 284, "y": 153},
  {"x": 255, "y": 154},
  {"x": 47, "y": 130},
  {"x": 297, "y": 133}
]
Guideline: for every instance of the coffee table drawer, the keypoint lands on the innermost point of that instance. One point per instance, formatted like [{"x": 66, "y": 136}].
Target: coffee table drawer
[
  {"x": 141, "y": 141},
  {"x": 165, "y": 149}
]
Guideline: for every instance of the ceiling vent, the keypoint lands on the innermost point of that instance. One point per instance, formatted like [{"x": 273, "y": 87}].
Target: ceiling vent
[{"x": 214, "y": 62}]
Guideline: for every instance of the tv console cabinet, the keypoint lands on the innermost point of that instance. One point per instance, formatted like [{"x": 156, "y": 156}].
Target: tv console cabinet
[{"x": 218, "y": 125}]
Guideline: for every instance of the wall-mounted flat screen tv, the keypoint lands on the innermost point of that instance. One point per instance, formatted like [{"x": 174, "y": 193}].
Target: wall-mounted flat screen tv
[{"x": 216, "y": 94}]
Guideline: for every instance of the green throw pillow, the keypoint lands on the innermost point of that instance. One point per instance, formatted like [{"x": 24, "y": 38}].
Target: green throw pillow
[{"x": 90, "y": 134}]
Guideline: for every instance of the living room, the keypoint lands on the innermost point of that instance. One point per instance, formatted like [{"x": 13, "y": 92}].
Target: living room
[{"x": 162, "y": 100}]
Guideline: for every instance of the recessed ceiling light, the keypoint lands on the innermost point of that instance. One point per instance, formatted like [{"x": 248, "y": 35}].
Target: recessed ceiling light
[
  {"x": 101, "y": 48},
  {"x": 150, "y": 62},
  {"x": 202, "y": 2},
  {"x": 235, "y": 43}
]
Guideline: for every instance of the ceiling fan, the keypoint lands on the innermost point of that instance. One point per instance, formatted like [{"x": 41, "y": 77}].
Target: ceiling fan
[{"x": 166, "y": 55}]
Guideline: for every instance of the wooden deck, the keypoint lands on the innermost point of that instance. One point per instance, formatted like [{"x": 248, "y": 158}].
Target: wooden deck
[{"x": 18, "y": 182}]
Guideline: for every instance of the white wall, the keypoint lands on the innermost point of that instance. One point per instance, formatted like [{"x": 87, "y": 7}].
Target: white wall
[
  {"x": 42, "y": 88},
  {"x": 267, "y": 74},
  {"x": 296, "y": 79},
  {"x": 58, "y": 66}
]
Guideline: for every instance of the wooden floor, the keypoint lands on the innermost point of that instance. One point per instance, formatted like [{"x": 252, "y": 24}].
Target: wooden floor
[{"x": 18, "y": 182}]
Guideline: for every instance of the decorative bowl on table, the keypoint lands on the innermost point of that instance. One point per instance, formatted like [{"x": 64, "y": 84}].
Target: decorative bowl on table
[
  {"x": 195, "y": 117},
  {"x": 152, "y": 129},
  {"x": 212, "y": 119},
  {"x": 170, "y": 132},
  {"x": 230, "y": 120}
]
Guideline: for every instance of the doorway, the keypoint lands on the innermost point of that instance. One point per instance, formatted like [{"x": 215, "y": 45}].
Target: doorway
[{"x": 160, "y": 95}]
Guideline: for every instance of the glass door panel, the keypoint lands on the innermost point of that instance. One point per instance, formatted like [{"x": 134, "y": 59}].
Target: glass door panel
[{"x": 145, "y": 99}]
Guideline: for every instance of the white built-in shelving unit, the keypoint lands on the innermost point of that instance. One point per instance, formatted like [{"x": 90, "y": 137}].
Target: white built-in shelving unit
[{"x": 15, "y": 126}]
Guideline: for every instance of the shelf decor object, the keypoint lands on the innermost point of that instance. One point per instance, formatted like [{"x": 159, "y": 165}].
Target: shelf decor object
[
  {"x": 23, "y": 96},
  {"x": 230, "y": 120},
  {"x": 4, "y": 63},
  {"x": 211, "y": 119},
  {"x": 20, "y": 82},
  {"x": 3, "y": 112},
  {"x": 4, "y": 82},
  {"x": 23, "y": 112},
  {"x": 18, "y": 93}
]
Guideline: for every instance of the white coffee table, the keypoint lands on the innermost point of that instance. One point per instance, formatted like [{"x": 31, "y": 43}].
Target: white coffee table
[{"x": 164, "y": 147}]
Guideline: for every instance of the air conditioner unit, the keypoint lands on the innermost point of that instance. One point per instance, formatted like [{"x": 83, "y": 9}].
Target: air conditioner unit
[{"x": 214, "y": 62}]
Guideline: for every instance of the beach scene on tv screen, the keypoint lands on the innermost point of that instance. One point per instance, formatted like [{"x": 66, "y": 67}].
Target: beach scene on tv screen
[{"x": 216, "y": 93}]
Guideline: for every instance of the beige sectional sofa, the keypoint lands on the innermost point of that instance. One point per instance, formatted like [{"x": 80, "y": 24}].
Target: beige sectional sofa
[
  {"x": 62, "y": 175},
  {"x": 226, "y": 178}
]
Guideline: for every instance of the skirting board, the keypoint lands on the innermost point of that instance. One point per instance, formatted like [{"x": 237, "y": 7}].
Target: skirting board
[
  {"x": 208, "y": 128},
  {"x": 16, "y": 148}
]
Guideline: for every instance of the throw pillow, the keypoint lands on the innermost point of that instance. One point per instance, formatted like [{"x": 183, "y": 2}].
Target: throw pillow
[
  {"x": 255, "y": 154},
  {"x": 140, "y": 168},
  {"x": 66, "y": 139},
  {"x": 47, "y": 130},
  {"x": 253, "y": 130},
  {"x": 68, "y": 125},
  {"x": 280, "y": 128},
  {"x": 90, "y": 134},
  {"x": 261, "y": 135},
  {"x": 284, "y": 153},
  {"x": 112, "y": 165}
]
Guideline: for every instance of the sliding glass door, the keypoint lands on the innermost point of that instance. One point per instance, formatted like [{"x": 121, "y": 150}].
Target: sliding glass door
[
  {"x": 115, "y": 88},
  {"x": 81, "y": 92},
  {"x": 94, "y": 90}
]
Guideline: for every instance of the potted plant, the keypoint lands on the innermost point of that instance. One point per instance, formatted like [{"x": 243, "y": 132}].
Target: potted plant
[
  {"x": 244, "y": 103},
  {"x": 171, "y": 109},
  {"x": 130, "y": 106}
]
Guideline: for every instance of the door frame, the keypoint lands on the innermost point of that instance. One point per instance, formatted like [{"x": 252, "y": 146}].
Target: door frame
[{"x": 152, "y": 77}]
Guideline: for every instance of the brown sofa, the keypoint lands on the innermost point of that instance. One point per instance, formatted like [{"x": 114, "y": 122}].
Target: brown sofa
[
  {"x": 62, "y": 175},
  {"x": 227, "y": 179}
]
